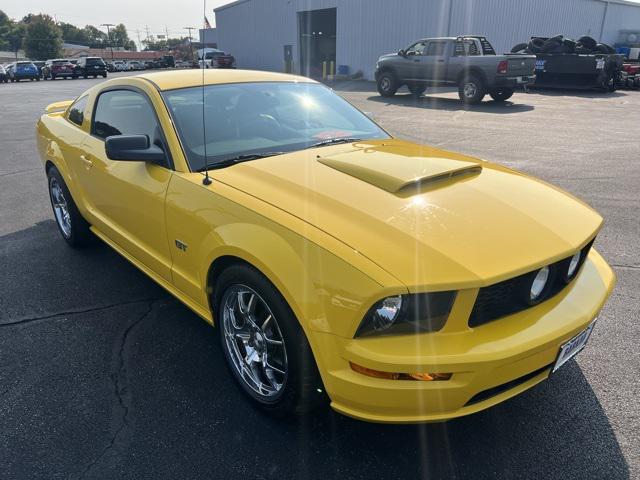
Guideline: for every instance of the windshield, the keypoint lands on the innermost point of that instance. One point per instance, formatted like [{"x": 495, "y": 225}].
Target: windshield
[{"x": 261, "y": 118}]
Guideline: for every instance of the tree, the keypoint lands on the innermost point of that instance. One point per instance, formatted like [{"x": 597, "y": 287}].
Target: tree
[
  {"x": 95, "y": 38},
  {"x": 118, "y": 37},
  {"x": 73, "y": 34},
  {"x": 43, "y": 38}
]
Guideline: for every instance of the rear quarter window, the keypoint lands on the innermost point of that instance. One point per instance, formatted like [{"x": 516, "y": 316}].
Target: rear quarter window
[{"x": 76, "y": 111}]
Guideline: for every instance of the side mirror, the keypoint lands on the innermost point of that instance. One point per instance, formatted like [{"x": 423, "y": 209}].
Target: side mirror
[
  {"x": 134, "y": 148},
  {"x": 402, "y": 53}
]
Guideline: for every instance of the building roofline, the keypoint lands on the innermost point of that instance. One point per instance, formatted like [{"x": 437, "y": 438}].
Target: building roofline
[{"x": 229, "y": 5}]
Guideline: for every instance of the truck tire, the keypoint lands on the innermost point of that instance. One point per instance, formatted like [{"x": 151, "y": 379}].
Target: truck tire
[
  {"x": 520, "y": 48},
  {"x": 552, "y": 44},
  {"x": 471, "y": 89},
  {"x": 416, "y": 89},
  {"x": 535, "y": 45},
  {"x": 501, "y": 94},
  {"x": 387, "y": 84},
  {"x": 588, "y": 42}
]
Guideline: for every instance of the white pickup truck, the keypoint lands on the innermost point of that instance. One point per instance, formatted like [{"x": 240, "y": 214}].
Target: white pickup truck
[{"x": 469, "y": 62}]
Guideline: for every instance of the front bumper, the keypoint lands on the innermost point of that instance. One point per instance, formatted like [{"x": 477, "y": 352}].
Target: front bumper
[{"x": 512, "y": 353}]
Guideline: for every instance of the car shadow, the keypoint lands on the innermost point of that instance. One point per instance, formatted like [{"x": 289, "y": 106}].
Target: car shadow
[
  {"x": 185, "y": 416},
  {"x": 578, "y": 93},
  {"x": 452, "y": 104}
]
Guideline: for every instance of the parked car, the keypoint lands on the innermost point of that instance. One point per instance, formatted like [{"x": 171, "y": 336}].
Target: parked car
[
  {"x": 151, "y": 65},
  {"x": 91, "y": 67},
  {"x": 120, "y": 65},
  {"x": 404, "y": 282},
  {"x": 58, "y": 68},
  {"x": 39, "y": 64},
  {"x": 222, "y": 60},
  {"x": 23, "y": 71},
  {"x": 468, "y": 62},
  {"x": 3, "y": 75},
  {"x": 110, "y": 67},
  {"x": 135, "y": 65}
]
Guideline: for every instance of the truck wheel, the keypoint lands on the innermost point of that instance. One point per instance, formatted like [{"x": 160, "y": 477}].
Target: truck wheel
[
  {"x": 501, "y": 94},
  {"x": 387, "y": 84},
  {"x": 520, "y": 48},
  {"x": 416, "y": 90},
  {"x": 471, "y": 90}
]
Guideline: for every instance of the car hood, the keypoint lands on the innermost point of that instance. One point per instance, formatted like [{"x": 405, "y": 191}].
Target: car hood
[{"x": 434, "y": 219}]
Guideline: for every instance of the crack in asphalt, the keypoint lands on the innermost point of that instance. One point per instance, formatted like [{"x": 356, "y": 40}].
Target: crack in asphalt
[
  {"x": 630, "y": 267},
  {"x": 119, "y": 380},
  {"x": 96, "y": 308}
]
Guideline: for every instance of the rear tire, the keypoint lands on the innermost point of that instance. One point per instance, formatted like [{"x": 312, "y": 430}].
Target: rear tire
[
  {"x": 250, "y": 341},
  {"x": 471, "y": 89},
  {"x": 387, "y": 84},
  {"x": 72, "y": 226},
  {"x": 501, "y": 94}
]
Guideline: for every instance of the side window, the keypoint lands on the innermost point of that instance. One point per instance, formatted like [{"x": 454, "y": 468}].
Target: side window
[
  {"x": 466, "y": 48},
  {"x": 416, "y": 49},
  {"x": 123, "y": 112},
  {"x": 76, "y": 112},
  {"x": 435, "y": 49}
]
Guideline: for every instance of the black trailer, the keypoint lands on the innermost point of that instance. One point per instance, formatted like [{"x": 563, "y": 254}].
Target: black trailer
[{"x": 583, "y": 71}]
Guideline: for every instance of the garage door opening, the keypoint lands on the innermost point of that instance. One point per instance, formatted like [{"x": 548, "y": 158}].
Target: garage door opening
[{"x": 317, "y": 40}]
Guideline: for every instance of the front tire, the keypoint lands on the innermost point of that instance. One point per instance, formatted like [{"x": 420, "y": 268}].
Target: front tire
[
  {"x": 471, "y": 90},
  {"x": 264, "y": 346},
  {"x": 502, "y": 94},
  {"x": 387, "y": 84},
  {"x": 73, "y": 228}
]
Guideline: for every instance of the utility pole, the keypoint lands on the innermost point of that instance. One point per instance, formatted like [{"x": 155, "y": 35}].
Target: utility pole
[
  {"x": 148, "y": 35},
  {"x": 109, "y": 25},
  {"x": 139, "y": 42},
  {"x": 190, "y": 44}
]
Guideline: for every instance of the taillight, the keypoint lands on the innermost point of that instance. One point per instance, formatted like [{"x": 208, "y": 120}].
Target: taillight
[{"x": 503, "y": 66}]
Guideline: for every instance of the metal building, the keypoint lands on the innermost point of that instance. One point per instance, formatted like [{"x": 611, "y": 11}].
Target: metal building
[{"x": 300, "y": 34}]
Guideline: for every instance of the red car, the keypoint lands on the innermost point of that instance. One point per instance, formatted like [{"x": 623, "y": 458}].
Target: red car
[
  {"x": 58, "y": 68},
  {"x": 223, "y": 60}
]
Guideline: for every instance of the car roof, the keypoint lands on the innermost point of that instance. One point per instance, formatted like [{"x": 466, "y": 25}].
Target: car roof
[{"x": 194, "y": 77}]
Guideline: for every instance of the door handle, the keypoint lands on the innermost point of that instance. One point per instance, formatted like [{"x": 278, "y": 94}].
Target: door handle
[{"x": 87, "y": 162}]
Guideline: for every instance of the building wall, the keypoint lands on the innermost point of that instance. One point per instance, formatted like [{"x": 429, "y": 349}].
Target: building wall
[{"x": 255, "y": 31}]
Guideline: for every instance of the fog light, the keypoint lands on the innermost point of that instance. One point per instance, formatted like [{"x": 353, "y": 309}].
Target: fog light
[
  {"x": 539, "y": 284},
  {"x": 573, "y": 265},
  {"x": 423, "y": 377}
]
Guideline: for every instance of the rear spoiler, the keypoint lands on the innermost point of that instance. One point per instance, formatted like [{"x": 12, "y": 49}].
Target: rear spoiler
[{"x": 58, "y": 107}]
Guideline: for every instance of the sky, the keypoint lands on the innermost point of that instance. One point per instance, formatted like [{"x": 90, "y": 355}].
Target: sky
[{"x": 158, "y": 15}]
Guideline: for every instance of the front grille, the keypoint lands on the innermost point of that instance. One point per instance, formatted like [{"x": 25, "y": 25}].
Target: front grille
[
  {"x": 492, "y": 392},
  {"x": 510, "y": 296}
]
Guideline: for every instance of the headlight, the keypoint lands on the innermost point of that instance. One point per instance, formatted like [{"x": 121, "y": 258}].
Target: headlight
[
  {"x": 539, "y": 285},
  {"x": 405, "y": 314},
  {"x": 573, "y": 266}
]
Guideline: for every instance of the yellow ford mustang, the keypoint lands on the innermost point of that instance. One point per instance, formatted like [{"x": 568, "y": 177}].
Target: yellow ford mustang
[{"x": 409, "y": 283}]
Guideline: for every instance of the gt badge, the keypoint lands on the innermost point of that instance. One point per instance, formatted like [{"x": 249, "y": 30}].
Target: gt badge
[{"x": 181, "y": 245}]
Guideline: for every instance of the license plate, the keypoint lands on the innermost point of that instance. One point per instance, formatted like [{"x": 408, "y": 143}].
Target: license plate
[
  {"x": 573, "y": 347},
  {"x": 520, "y": 80}
]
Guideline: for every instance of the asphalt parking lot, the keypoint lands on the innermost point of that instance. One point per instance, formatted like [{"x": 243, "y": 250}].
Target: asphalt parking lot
[{"x": 103, "y": 375}]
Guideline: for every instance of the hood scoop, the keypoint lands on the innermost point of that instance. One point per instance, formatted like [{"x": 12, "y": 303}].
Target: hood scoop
[{"x": 399, "y": 173}]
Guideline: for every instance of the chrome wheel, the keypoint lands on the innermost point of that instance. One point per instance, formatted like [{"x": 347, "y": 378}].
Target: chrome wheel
[
  {"x": 470, "y": 89},
  {"x": 385, "y": 84},
  {"x": 60, "y": 207},
  {"x": 255, "y": 345}
]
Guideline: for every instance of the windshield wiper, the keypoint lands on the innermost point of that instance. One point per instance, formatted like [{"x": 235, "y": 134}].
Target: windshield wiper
[
  {"x": 227, "y": 162},
  {"x": 334, "y": 141}
]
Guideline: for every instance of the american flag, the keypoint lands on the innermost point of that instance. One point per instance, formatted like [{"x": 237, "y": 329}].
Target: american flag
[{"x": 206, "y": 22}]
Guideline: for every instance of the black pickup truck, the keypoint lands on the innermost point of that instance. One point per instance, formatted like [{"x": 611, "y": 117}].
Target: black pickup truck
[{"x": 468, "y": 62}]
